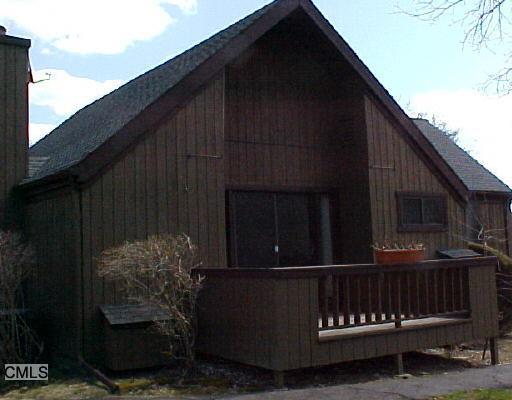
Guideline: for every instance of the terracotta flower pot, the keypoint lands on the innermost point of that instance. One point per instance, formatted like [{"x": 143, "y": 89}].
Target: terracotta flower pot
[{"x": 399, "y": 256}]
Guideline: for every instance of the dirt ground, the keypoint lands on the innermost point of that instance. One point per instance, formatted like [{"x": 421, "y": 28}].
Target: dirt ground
[{"x": 218, "y": 377}]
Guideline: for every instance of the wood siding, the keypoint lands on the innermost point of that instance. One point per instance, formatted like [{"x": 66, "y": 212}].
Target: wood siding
[
  {"x": 394, "y": 166},
  {"x": 54, "y": 292},
  {"x": 509, "y": 230},
  {"x": 170, "y": 182},
  {"x": 293, "y": 124},
  {"x": 13, "y": 124},
  {"x": 491, "y": 215}
]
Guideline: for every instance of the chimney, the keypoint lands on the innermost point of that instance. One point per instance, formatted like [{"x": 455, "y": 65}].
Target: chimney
[{"x": 14, "y": 79}]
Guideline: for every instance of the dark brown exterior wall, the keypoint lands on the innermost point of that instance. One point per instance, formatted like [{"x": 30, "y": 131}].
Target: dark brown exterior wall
[
  {"x": 54, "y": 291},
  {"x": 492, "y": 214},
  {"x": 509, "y": 230},
  {"x": 13, "y": 122},
  {"x": 162, "y": 185},
  {"x": 291, "y": 124},
  {"x": 394, "y": 166}
]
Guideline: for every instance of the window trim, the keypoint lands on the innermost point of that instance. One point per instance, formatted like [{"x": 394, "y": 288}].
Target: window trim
[{"x": 402, "y": 227}]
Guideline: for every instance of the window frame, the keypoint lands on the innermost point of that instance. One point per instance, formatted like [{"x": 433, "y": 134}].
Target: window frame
[{"x": 422, "y": 227}]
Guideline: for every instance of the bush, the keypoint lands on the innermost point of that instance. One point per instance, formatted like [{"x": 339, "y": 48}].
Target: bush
[
  {"x": 158, "y": 272},
  {"x": 18, "y": 343}
]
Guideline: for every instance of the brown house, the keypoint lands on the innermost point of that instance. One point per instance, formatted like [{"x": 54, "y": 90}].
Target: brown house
[{"x": 274, "y": 147}]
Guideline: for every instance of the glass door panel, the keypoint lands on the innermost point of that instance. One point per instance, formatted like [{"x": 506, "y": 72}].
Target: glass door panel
[
  {"x": 294, "y": 230},
  {"x": 254, "y": 229}
]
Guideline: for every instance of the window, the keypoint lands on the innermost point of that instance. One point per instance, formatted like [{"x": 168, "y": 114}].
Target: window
[{"x": 421, "y": 212}]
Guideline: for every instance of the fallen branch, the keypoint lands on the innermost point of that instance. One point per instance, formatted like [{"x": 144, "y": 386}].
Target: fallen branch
[{"x": 111, "y": 385}]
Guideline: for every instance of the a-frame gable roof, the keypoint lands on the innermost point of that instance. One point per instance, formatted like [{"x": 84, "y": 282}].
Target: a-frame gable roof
[{"x": 88, "y": 140}]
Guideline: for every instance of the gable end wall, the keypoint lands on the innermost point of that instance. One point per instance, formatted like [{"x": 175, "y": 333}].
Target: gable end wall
[{"x": 394, "y": 166}]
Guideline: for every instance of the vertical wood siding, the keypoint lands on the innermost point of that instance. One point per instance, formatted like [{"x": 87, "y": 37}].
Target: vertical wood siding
[
  {"x": 509, "y": 230},
  {"x": 293, "y": 123},
  {"x": 54, "y": 290},
  {"x": 393, "y": 167},
  {"x": 163, "y": 185},
  {"x": 13, "y": 122},
  {"x": 283, "y": 120},
  {"x": 492, "y": 215}
]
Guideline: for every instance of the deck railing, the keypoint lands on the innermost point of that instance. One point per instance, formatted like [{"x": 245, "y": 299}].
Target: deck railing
[
  {"x": 355, "y": 296},
  {"x": 288, "y": 318}
]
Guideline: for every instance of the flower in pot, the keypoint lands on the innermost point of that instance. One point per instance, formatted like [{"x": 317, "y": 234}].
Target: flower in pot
[{"x": 398, "y": 253}]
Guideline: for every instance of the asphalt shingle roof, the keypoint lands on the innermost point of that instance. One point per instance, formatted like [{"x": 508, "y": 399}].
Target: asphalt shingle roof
[
  {"x": 94, "y": 124},
  {"x": 474, "y": 176}
]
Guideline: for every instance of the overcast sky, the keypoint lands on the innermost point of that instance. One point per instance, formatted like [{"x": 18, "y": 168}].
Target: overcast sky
[{"x": 88, "y": 48}]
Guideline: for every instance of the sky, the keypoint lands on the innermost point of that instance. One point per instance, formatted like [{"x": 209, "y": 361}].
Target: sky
[{"x": 82, "y": 50}]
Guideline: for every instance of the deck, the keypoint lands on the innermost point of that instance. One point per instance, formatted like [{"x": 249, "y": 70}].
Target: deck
[{"x": 289, "y": 318}]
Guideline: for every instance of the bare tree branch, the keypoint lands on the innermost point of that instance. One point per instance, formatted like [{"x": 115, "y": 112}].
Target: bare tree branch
[{"x": 484, "y": 22}]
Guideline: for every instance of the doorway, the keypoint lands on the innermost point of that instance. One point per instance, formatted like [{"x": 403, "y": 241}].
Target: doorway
[{"x": 277, "y": 229}]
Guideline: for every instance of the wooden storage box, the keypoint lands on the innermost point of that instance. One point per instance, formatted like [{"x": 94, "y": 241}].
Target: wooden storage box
[{"x": 130, "y": 339}]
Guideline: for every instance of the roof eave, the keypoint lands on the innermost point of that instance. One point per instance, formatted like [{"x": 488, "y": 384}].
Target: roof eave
[
  {"x": 492, "y": 193},
  {"x": 59, "y": 180}
]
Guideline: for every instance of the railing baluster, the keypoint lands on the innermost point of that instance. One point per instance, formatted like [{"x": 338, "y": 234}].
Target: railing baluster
[
  {"x": 336, "y": 300},
  {"x": 378, "y": 316},
  {"x": 461, "y": 289},
  {"x": 369, "y": 310},
  {"x": 389, "y": 311},
  {"x": 409, "y": 297},
  {"x": 417, "y": 312},
  {"x": 357, "y": 308},
  {"x": 322, "y": 292},
  {"x": 452, "y": 289},
  {"x": 398, "y": 308},
  {"x": 427, "y": 293},
  {"x": 445, "y": 301},
  {"x": 346, "y": 300},
  {"x": 436, "y": 292}
]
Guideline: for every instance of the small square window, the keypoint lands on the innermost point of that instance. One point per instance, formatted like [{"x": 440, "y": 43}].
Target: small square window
[{"x": 418, "y": 212}]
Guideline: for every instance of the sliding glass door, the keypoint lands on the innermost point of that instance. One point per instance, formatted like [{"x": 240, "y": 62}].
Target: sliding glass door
[{"x": 269, "y": 229}]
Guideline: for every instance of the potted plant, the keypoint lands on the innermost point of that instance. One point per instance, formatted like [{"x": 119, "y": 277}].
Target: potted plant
[{"x": 398, "y": 253}]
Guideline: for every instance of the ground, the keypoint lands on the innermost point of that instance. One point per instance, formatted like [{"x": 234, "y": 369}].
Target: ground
[{"x": 216, "y": 377}]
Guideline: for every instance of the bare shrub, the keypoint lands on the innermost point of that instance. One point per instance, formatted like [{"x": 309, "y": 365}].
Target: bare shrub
[
  {"x": 158, "y": 272},
  {"x": 18, "y": 343}
]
